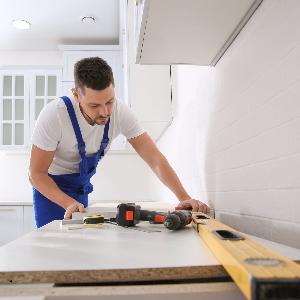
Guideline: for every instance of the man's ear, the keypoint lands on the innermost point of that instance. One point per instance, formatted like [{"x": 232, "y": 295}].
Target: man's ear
[{"x": 75, "y": 94}]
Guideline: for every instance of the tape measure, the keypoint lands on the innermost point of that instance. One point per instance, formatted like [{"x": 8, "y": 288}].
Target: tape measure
[
  {"x": 93, "y": 220},
  {"x": 259, "y": 272}
]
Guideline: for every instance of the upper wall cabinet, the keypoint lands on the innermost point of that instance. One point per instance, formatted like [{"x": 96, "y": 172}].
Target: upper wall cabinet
[
  {"x": 111, "y": 53},
  {"x": 190, "y": 31}
]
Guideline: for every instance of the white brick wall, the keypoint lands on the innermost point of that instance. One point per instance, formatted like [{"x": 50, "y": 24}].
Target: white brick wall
[{"x": 240, "y": 126}]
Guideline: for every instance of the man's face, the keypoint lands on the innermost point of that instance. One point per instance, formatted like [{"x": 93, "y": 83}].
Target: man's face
[{"x": 96, "y": 106}]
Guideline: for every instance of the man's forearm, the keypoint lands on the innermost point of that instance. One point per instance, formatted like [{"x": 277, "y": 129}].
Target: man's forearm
[
  {"x": 47, "y": 187},
  {"x": 169, "y": 178}
]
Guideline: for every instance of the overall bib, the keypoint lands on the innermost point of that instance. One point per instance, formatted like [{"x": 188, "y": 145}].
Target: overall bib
[{"x": 76, "y": 185}]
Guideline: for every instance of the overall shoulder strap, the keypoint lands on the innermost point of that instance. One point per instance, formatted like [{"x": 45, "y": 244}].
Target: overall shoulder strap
[
  {"x": 105, "y": 139},
  {"x": 74, "y": 121}
]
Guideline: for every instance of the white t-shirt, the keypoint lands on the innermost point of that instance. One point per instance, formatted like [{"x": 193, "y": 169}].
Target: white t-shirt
[{"x": 54, "y": 132}]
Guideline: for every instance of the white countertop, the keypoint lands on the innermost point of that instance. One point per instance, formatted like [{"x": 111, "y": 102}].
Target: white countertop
[
  {"x": 112, "y": 247},
  {"x": 53, "y": 248}
]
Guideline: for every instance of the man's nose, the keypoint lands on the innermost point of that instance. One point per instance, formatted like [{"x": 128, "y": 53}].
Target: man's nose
[{"x": 103, "y": 111}]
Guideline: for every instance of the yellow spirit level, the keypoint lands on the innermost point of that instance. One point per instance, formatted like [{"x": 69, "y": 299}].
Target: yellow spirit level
[{"x": 258, "y": 271}]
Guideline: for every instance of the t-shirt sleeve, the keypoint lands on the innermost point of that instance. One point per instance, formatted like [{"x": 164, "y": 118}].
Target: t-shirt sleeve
[
  {"x": 47, "y": 130},
  {"x": 130, "y": 127}
]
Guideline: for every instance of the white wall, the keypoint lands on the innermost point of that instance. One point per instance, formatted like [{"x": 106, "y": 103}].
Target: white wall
[{"x": 236, "y": 135}]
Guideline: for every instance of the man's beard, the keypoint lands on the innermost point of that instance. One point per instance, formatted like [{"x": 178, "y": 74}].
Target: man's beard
[{"x": 100, "y": 120}]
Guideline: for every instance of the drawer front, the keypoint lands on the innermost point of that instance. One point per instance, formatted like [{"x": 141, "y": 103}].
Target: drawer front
[
  {"x": 11, "y": 223},
  {"x": 29, "y": 222}
]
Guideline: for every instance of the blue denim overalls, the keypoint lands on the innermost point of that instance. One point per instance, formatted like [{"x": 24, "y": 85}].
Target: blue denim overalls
[{"x": 75, "y": 185}]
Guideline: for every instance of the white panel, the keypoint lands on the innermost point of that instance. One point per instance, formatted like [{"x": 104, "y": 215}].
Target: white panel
[
  {"x": 7, "y": 134},
  {"x": 7, "y": 86},
  {"x": 39, "y": 104},
  {"x": 19, "y": 134},
  {"x": 19, "y": 86},
  {"x": 7, "y": 109},
  {"x": 40, "y": 85},
  {"x": 52, "y": 84},
  {"x": 19, "y": 109}
]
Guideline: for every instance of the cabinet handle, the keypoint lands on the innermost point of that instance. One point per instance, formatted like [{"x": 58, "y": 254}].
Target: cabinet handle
[{"x": 7, "y": 209}]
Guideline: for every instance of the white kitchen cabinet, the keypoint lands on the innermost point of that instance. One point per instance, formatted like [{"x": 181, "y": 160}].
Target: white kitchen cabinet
[
  {"x": 24, "y": 92},
  {"x": 190, "y": 32},
  {"x": 113, "y": 55},
  {"x": 11, "y": 223}
]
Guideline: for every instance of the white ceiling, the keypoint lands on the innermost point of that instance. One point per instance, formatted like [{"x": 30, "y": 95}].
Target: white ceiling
[{"x": 58, "y": 22}]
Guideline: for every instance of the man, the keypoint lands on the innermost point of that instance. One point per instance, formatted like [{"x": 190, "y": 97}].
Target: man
[{"x": 72, "y": 135}]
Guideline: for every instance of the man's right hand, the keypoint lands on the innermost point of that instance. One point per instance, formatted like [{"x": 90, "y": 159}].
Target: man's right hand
[{"x": 74, "y": 207}]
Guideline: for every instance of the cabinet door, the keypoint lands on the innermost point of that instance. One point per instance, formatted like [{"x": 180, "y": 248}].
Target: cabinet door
[
  {"x": 29, "y": 222},
  {"x": 14, "y": 109},
  {"x": 113, "y": 58},
  {"x": 11, "y": 223}
]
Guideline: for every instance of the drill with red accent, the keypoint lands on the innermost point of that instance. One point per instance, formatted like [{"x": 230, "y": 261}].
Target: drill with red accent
[{"x": 130, "y": 214}]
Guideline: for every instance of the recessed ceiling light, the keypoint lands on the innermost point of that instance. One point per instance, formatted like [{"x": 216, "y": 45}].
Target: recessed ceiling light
[
  {"x": 21, "y": 24},
  {"x": 88, "y": 20}
]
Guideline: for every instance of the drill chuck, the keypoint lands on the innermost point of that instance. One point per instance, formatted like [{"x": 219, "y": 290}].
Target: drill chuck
[
  {"x": 178, "y": 219},
  {"x": 172, "y": 222}
]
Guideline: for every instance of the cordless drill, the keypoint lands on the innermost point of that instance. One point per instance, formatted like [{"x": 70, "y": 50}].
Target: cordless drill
[
  {"x": 129, "y": 214},
  {"x": 177, "y": 219}
]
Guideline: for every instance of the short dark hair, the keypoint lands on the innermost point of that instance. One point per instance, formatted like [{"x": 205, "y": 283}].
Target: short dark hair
[{"x": 94, "y": 73}]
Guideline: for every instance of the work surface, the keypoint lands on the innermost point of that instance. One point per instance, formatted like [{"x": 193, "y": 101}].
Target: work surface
[
  {"x": 112, "y": 253},
  {"x": 108, "y": 247}
]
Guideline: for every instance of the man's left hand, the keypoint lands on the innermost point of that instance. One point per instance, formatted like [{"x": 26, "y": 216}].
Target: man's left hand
[{"x": 193, "y": 204}]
